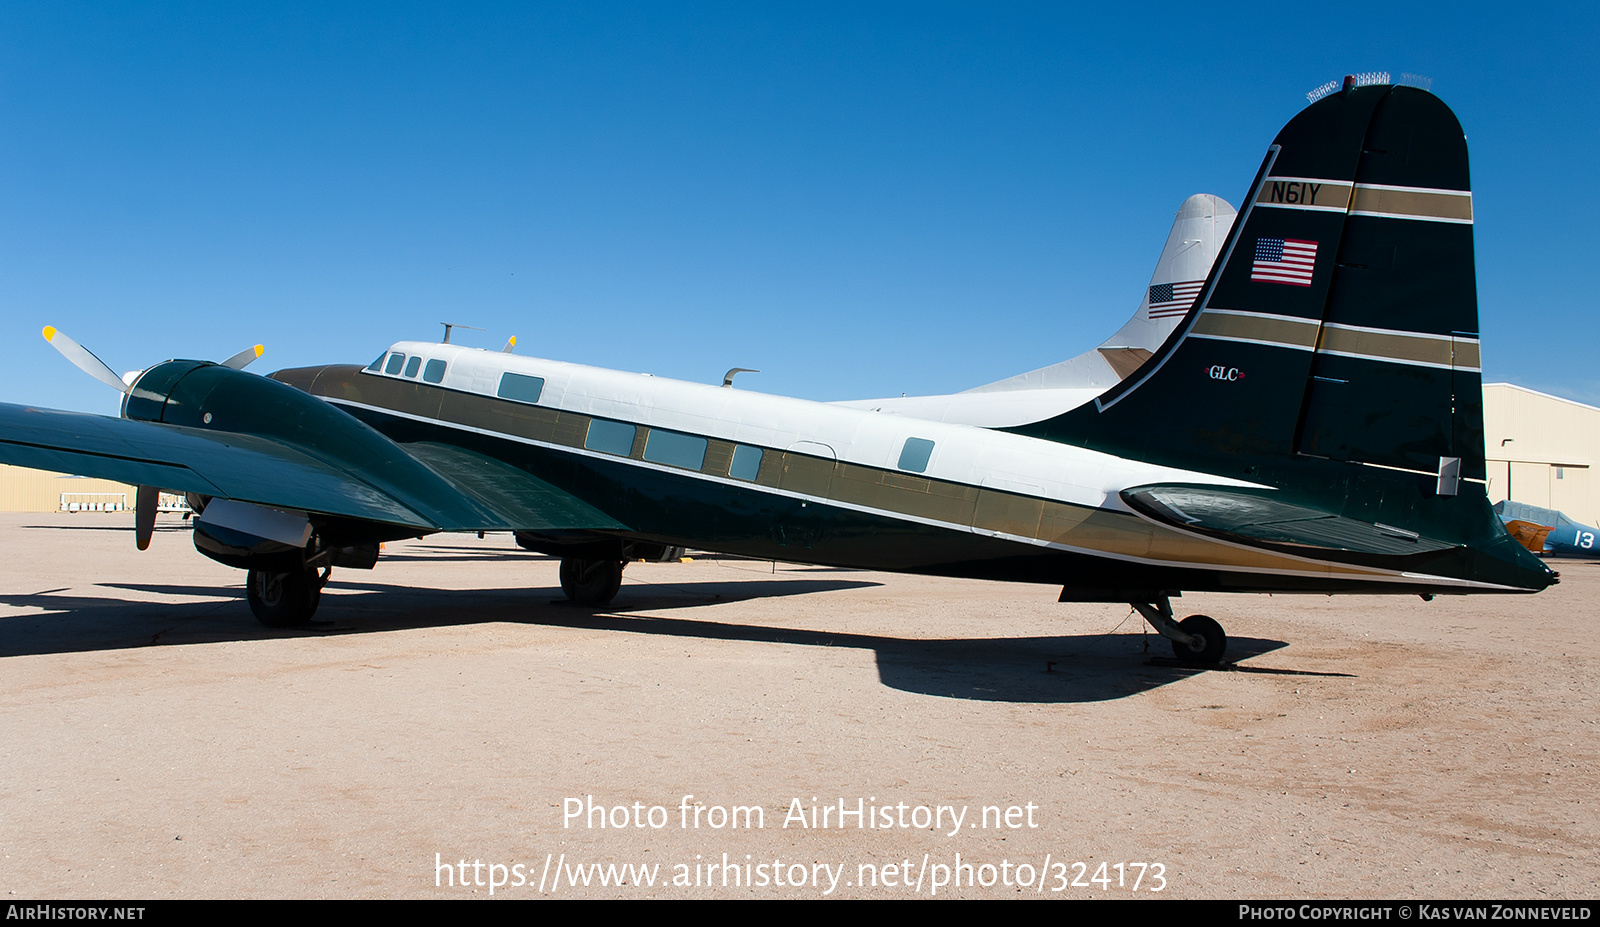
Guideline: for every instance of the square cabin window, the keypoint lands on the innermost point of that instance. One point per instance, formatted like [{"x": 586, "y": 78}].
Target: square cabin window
[
  {"x": 396, "y": 361},
  {"x": 609, "y": 437},
  {"x": 746, "y": 463},
  {"x": 412, "y": 365},
  {"x": 434, "y": 372},
  {"x": 518, "y": 388},
  {"x": 914, "y": 456},
  {"x": 675, "y": 450}
]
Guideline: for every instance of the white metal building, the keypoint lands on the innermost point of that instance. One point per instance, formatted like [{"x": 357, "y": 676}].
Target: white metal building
[{"x": 1542, "y": 450}]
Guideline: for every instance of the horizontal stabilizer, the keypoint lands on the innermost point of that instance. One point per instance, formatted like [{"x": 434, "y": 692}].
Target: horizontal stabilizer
[{"x": 1255, "y": 517}]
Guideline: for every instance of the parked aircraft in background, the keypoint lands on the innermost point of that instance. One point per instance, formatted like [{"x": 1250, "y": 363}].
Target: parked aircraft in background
[
  {"x": 1546, "y": 531},
  {"x": 1313, "y": 424},
  {"x": 1196, "y": 238}
]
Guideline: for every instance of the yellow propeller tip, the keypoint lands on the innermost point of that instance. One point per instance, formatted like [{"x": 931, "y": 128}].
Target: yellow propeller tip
[
  {"x": 259, "y": 350},
  {"x": 513, "y": 339},
  {"x": 49, "y": 332}
]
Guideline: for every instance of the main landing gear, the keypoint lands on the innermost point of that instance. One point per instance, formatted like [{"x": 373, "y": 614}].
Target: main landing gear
[
  {"x": 590, "y": 582},
  {"x": 285, "y": 600},
  {"x": 1195, "y": 639}
]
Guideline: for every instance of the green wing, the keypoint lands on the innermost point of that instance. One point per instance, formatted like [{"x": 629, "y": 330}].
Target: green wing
[{"x": 445, "y": 489}]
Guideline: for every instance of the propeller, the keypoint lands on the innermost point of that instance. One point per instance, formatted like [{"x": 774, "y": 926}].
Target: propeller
[
  {"x": 244, "y": 358},
  {"x": 84, "y": 359},
  {"x": 148, "y": 498}
]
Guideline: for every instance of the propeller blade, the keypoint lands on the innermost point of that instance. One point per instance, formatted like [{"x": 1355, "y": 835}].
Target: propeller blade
[
  {"x": 243, "y": 358},
  {"x": 83, "y": 359},
  {"x": 144, "y": 515},
  {"x": 509, "y": 345}
]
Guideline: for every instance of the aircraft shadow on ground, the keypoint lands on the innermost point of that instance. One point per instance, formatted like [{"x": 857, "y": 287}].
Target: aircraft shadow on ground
[{"x": 1056, "y": 669}]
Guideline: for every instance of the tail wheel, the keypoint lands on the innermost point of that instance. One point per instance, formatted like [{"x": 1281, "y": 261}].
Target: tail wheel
[
  {"x": 284, "y": 600},
  {"x": 590, "y": 582},
  {"x": 1209, "y": 641}
]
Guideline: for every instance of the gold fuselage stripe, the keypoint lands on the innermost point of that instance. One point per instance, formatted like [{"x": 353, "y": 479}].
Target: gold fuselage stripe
[{"x": 945, "y": 503}]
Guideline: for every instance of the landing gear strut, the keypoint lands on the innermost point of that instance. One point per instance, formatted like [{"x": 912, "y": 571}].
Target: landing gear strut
[
  {"x": 285, "y": 600},
  {"x": 590, "y": 582},
  {"x": 1196, "y": 639}
]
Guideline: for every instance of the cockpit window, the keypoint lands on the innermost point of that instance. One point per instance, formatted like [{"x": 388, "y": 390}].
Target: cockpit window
[
  {"x": 377, "y": 365},
  {"x": 412, "y": 365},
  {"x": 434, "y": 372},
  {"x": 395, "y": 363}
]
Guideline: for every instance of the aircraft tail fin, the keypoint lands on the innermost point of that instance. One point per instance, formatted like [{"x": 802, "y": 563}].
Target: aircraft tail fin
[
  {"x": 1198, "y": 230},
  {"x": 1333, "y": 351}
]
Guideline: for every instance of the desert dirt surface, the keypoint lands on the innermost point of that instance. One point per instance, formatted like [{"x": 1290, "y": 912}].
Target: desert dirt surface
[{"x": 448, "y": 722}]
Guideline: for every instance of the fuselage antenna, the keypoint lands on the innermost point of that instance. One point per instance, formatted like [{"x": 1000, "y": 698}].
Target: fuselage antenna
[{"x": 450, "y": 325}]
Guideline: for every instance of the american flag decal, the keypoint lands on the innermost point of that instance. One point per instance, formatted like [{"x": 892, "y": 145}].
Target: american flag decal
[
  {"x": 1284, "y": 260},
  {"x": 1173, "y": 299}
]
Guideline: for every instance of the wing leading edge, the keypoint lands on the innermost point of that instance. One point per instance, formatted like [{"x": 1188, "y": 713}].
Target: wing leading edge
[{"x": 444, "y": 489}]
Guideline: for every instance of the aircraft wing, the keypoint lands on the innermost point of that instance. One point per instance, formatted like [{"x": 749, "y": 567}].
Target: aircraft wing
[
  {"x": 451, "y": 489},
  {"x": 1529, "y": 535}
]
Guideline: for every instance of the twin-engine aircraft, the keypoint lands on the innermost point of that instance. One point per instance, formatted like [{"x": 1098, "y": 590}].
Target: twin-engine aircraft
[{"x": 1312, "y": 424}]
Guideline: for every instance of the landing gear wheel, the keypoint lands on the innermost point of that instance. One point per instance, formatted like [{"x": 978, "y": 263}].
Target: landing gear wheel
[
  {"x": 590, "y": 582},
  {"x": 284, "y": 600},
  {"x": 1210, "y": 640}
]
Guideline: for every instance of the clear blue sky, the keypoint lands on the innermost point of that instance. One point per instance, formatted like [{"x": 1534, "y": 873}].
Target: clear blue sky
[{"x": 859, "y": 199}]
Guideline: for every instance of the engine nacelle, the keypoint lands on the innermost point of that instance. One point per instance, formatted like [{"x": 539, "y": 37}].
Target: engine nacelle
[{"x": 210, "y": 397}]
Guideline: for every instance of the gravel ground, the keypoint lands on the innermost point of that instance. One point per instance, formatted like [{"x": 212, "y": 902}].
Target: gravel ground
[{"x": 449, "y": 722}]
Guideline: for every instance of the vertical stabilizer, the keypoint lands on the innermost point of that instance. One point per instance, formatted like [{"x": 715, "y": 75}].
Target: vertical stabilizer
[
  {"x": 1201, "y": 225},
  {"x": 1333, "y": 353}
]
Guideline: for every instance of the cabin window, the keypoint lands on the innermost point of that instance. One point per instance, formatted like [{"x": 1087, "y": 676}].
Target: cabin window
[
  {"x": 609, "y": 437},
  {"x": 412, "y": 365},
  {"x": 675, "y": 450},
  {"x": 377, "y": 365},
  {"x": 519, "y": 388},
  {"x": 396, "y": 361},
  {"x": 914, "y": 456},
  {"x": 1561, "y": 473},
  {"x": 746, "y": 462},
  {"x": 434, "y": 372}
]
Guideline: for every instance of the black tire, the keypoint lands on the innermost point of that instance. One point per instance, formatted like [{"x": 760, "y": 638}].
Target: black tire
[
  {"x": 590, "y": 582},
  {"x": 1213, "y": 643},
  {"x": 283, "y": 600}
]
